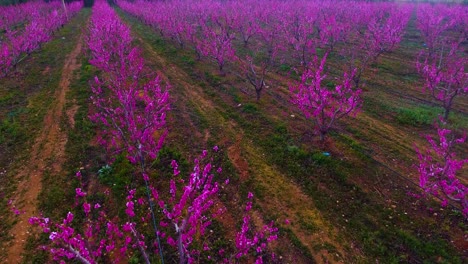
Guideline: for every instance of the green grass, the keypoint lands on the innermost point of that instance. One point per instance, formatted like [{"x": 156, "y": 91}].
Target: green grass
[
  {"x": 250, "y": 108},
  {"x": 426, "y": 116},
  {"x": 417, "y": 116}
]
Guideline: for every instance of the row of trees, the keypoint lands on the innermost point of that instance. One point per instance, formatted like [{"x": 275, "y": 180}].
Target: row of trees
[
  {"x": 442, "y": 65},
  {"x": 24, "y": 28},
  {"x": 130, "y": 106},
  {"x": 255, "y": 36}
]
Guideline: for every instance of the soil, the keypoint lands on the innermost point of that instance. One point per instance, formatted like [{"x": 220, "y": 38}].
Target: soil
[
  {"x": 241, "y": 165},
  {"x": 47, "y": 155}
]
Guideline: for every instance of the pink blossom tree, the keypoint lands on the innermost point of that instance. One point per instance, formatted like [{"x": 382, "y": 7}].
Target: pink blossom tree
[
  {"x": 299, "y": 29},
  {"x": 439, "y": 168},
  {"x": 377, "y": 30},
  {"x": 445, "y": 77},
  {"x": 256, "y": 66},
  {"x": 437, "y": 24},
  {"x": 246, "y": 23},
  {"x": 333, "y": 25},
  {"x": 322, "y": 104},
  {"x": 217, "y": 44},
  {"x": 189, "y": 213},
  {"x": 131, "y": 111},
  {"x": 443, "y": 64},
  {"x": 257, "y": 242}
]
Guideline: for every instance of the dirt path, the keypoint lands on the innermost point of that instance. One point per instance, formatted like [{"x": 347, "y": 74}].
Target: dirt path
[{"x": 47, "y": 155}]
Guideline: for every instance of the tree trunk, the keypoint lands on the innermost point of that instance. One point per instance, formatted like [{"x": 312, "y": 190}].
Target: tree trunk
[
  {"x": 322, "y": 136},
  {"x": 258, "y": 92},
  {"x": 446, "y": 113},
  {"x": 182, "y": 257}
]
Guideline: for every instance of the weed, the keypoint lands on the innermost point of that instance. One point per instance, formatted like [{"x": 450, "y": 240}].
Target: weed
[
  {"x": 119, "y": 176},
  {"x": 250, "y": 108},
  {"x": 285, "y": 67},
  {"x": 11, "y": 131},
  {"x": 330, "y": 85}
]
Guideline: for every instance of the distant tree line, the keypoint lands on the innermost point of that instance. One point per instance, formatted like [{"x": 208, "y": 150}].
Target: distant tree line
[
  {"x": 11, "y": 2},
  {"x": 87, "y": 3}
]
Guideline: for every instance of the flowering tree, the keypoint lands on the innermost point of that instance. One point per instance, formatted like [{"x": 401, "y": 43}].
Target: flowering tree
[
  {"x": 438, "y": 167},
  {"x": 436, "y": 21},
  {"x": 217, "y": 44},
  {"x": 445, "y": 77},
  {"x": 333, "y": 25},
  {"x": 443, "y": 63},
  {"x": 256, "y": 66},
  {"x": 257, "y": 242},
  {"x": 131, "y": 111},
  {"x": 256, "y": 75},
  {"x": 188, "y": 213},
  {"x": 298, "y": 30},
  {"x": 322, "y": 104},
  {"x": 385, "y": 30},
  {"x": 377, "y": 30},
  {"x": 246, "y": 23}
]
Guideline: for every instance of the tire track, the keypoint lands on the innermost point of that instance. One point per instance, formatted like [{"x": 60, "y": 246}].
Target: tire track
[{"x": 47, "y": 155}]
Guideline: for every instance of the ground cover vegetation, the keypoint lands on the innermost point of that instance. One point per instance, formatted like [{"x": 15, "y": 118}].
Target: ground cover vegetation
[{"x": 233, "y": 132}]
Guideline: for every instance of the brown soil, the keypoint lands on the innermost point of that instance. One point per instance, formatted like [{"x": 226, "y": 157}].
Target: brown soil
[
  {"x": 241, "y": 165},
  {"x": 71, "y": 112},
  {"x": 47, "y": 154}
]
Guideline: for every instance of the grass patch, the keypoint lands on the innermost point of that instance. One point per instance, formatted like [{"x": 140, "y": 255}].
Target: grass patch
[
  {"x": 250, "y": 108},
  {"x": 417, "y": 116}
]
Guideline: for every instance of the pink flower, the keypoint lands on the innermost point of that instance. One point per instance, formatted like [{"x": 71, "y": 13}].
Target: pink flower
[
  {"x": 86, "y": 208},
  {"x": 53, "y": 235},
  {"x": 79, "y": 192}
]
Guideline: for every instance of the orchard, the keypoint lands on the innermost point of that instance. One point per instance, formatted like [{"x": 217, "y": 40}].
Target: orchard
[{"x": 240, "y": 131}]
